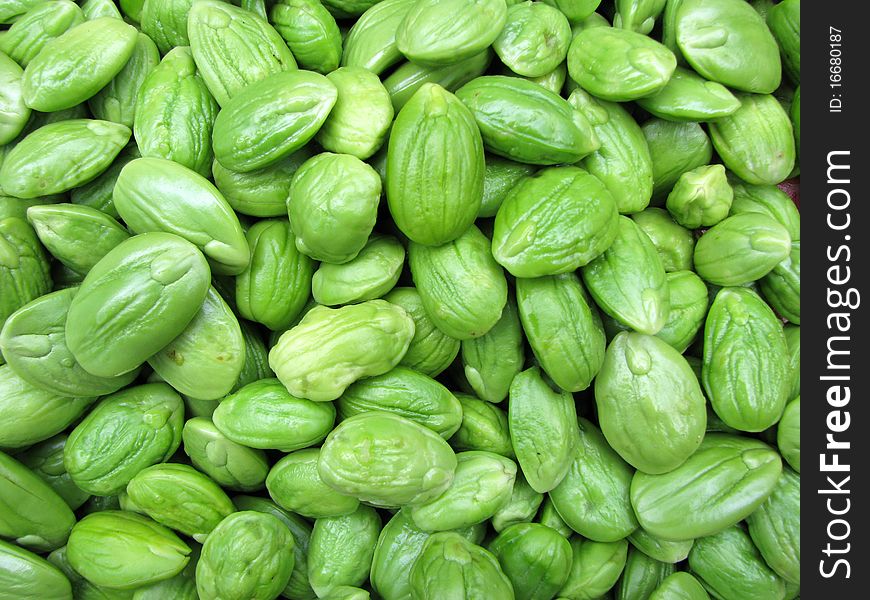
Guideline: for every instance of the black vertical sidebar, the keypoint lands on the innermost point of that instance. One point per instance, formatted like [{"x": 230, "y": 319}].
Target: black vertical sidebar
[{"x": 835, "y": 347}]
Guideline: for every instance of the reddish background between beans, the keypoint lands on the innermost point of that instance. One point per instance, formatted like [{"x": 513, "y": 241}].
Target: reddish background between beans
[{"x": 792, "y": 187}]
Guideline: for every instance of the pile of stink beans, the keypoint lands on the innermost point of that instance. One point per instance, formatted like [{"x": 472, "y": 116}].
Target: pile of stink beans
[{"x": 399, "y": 300}]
